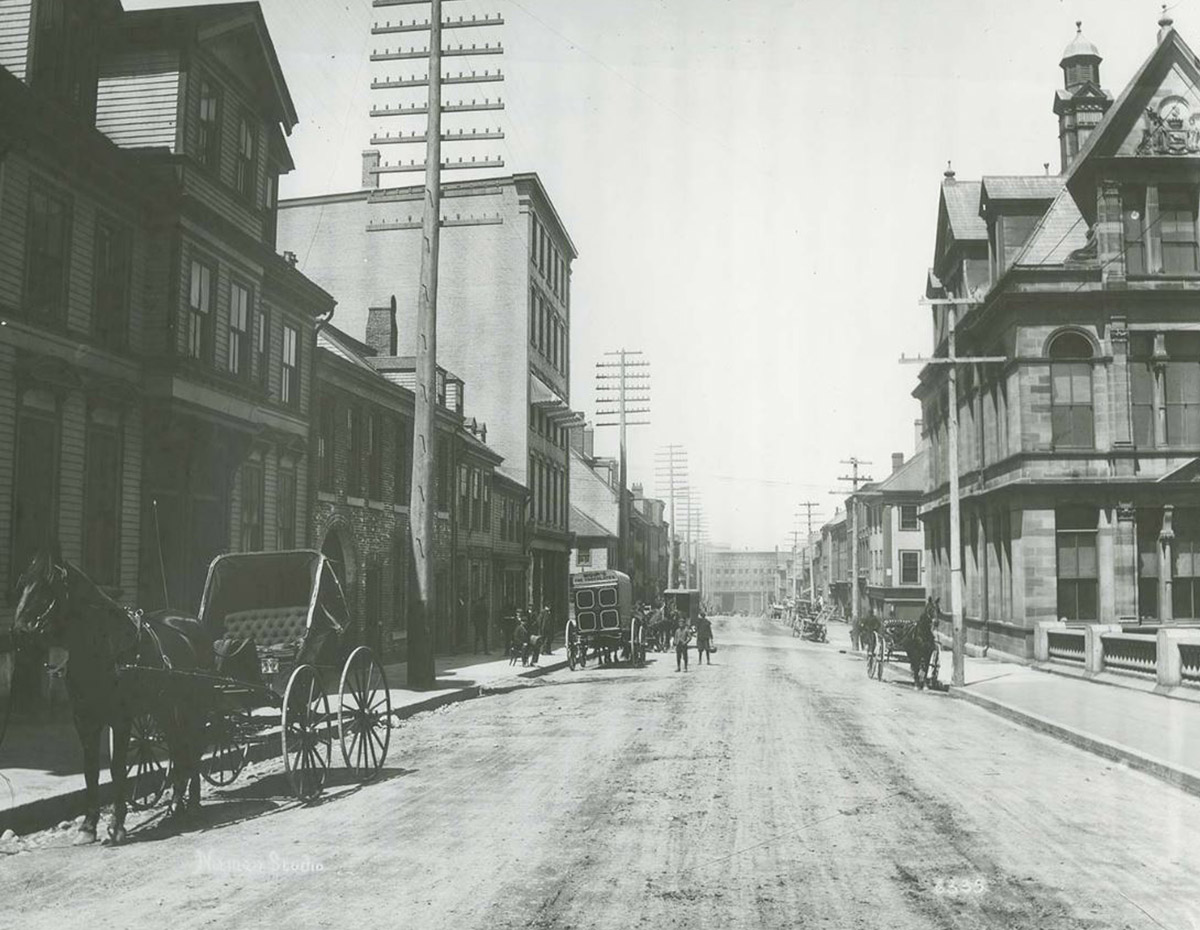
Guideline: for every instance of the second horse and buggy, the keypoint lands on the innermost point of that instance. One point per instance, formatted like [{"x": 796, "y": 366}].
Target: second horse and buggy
[{"x": 272, "y": 656}]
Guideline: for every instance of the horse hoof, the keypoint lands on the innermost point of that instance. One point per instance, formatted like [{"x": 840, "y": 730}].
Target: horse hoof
[
  {"x": 116, "y": 835},
  {"x": 85, "y": 835}
]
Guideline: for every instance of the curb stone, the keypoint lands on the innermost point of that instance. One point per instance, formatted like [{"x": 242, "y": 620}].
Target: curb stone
[
  {"x": 1177, "y": 775},
  {"x": 46, "y": 812}
]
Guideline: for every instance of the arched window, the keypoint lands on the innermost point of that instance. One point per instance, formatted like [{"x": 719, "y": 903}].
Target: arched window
[{"x": 1072, "y": 420}]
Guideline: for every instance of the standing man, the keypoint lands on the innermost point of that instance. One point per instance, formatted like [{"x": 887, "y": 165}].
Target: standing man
[
  {"x": 681, "y": 639},
  {"x": 704, "y": 636}
]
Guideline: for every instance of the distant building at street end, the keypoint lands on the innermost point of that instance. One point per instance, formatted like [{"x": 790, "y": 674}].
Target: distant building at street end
[
  {"x": 746, "y": 582},
  {"x": 1079, "y": 455},
  {"x": 504, "y": 320}
]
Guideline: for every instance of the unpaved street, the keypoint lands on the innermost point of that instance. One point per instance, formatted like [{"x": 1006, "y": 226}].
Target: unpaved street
[{"x": 778, "y": 788}]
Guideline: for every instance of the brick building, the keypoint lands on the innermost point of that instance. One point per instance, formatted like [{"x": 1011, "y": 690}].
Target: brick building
[
  {"x": 1078, "y": 455},
  {"x": 155, "y": 352},
  {"x": 362, "y": 472},
  {"x": 504, "y": 317}
]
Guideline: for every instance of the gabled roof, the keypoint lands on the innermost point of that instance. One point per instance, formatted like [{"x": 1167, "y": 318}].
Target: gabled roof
[
  {"x": 204, "y": 23},
  {"x": 585, "y": 527},
  {"x": 1031, "y": 187},
  {"x": 344, "y": 346},
  {"x": 909, "y": 477},
  {"x": 961, "y": 202},
  {"x": 1123, "y": 115}
]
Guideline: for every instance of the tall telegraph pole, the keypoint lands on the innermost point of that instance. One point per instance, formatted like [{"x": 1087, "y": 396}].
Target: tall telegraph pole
[
  {"x": 671, "y": 471},
  {"x": 809, "y": 507},
  {"x": 423, "y": 505},
  {"x": 622, "y": 385},
  {"x": 855, "y": 480}
]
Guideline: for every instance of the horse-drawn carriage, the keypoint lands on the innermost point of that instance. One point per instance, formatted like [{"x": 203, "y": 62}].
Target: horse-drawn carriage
[
  {"x": 602, "y": 620},
  {"x": 258, "y": 664},
  {"x": 912, "y": 640},
  {"x": 686, "y": 602}
]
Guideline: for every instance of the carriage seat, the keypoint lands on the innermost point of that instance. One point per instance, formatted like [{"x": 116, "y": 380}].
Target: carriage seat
[{"x": 267, "y": 626}]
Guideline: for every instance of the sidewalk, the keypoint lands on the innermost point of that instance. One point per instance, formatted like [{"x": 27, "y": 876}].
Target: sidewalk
[
  {"x": 1155, "y": 734},
  {"x": 41, "y": 765}
]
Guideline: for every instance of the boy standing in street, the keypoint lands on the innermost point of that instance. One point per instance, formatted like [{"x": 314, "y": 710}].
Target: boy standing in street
[{"x": 682, "y": 637}]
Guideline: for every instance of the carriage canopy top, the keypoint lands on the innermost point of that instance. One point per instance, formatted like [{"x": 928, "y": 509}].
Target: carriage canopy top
[{"x": 301, "y": 579}]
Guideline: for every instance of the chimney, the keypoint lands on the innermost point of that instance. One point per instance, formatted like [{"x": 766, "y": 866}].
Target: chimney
[
  {"x": 381, "y": 329},
  {"x": 370, "y": 161},
  {"x": 918, "y": 435},
  {"x": 897, "y": 461},
  {"x": 637, "y": 491}
]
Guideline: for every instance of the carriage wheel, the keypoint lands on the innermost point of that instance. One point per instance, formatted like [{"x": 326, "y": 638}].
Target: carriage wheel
[
  {"x": 147, "y": 762},
  {"x": 364, "y": 714},
  {"x": 228, "y": 751},
  {"x": 307, "y": 742},
  {"x": 871, "y": 664},
  {"x": 572, "y": 658},
  {"x": 884, "y": 652}
]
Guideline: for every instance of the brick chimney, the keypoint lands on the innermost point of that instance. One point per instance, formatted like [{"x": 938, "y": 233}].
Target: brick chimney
[
  {"x": 897, "y": 461},
  {"x": 637, "y": 491},
  {"x": 370, "y": 159},
  {"x": 381, "y": 329}
]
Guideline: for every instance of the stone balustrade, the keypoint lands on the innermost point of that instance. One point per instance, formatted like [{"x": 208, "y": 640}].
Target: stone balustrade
[{"x": 1169, "y": 657}]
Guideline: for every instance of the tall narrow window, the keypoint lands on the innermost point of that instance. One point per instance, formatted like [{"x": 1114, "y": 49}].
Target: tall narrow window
[
  {"x": 1177, "y": 222},
  {"x": 200, "y": 303},
  {"x": 1185, "y": 578},
  {"x": 326, "y": 428},
  {"x": 403, "y": 462},
  {"x": 354, "y": 471},
  {"x": 910, "y": 568},
  {"x": 252, "y": 507},
  {"x": 48, "y": 245},
  {"x": 1075, "y": 531},
  {"x": 102, "y": 497},
  {"x": 1072, "y": 422},
  {"x": 262, "y": 349},
  {"x": 208, "y": 125},
  {"x": 244, "y": 175},
  {"x": 1133, "y": 219},
  {"x": 289, "y": 383},
  {"x": 375, "y": 456},
  {"x": 1181, "y": 395},
  {"x": 286, "y": 509},
  {"x": 240, "y": 302},
  {"x": 1149, "y": 525},
  {"x": 487, "y": 503},
  {"x": 110, "y": 315}
]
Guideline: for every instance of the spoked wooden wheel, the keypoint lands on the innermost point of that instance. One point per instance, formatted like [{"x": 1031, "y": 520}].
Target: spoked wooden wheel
[
  {"x": 147, "y": 762},
  {"x": 307, "y": 742},
  {"x": 364, "y": 714},
  {"x": 227, "y": 748}
]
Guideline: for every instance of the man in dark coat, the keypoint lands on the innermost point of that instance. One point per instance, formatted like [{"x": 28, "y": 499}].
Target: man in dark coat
[{"x": 704, "y": 638}]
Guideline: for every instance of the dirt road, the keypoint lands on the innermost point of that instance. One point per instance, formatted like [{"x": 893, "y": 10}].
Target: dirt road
[{"x": 777, "y": 788}]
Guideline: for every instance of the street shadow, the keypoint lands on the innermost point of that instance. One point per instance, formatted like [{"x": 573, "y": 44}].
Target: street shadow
[{"x": 255, "y": 800}]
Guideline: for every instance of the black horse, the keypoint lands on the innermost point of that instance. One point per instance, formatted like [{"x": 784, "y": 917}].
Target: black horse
[{"x": 63, "y": 608}]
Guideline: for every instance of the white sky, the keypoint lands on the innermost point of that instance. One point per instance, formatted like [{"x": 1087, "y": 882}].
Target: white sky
[{"x": 752, "y": 186}]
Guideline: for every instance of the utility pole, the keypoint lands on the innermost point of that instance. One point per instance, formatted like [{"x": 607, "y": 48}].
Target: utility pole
[
  {"x": 671, "y": 467},
  {"x": 631, "y": 388},
  {"x": 423, "y": 505},
  {"x": 809, "y": 506},
  {"x": 855, "y": 480},
  {"x": 952, "y": 360}
]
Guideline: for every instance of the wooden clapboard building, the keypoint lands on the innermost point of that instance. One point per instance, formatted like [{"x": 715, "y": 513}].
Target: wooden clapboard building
[
  {"x": 154, "y": 348},
  {"x": 1078, "y": 455}
]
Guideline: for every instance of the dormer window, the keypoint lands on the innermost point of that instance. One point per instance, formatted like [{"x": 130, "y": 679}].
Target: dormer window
[{"x": 1159, "y": 223}]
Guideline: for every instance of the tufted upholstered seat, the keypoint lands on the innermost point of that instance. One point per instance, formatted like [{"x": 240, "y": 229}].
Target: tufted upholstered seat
[{"x": 267, "y": 626}]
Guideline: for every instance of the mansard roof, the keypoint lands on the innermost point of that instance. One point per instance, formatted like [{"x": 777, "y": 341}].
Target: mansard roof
[{"x": 960, "y": 200}]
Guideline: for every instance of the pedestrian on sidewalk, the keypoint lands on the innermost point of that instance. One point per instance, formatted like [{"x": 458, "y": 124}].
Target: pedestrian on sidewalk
[
  {"x": 508, "y": 627},
  {"x": 683, "y": 636},
  {"x": 545, "y": 628},
  {"x": 704, "y": 638},
  {"x": 479, "y": 619}
]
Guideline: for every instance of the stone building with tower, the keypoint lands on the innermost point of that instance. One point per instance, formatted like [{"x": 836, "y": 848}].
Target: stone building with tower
[
  {"x": 504, "y": 320},
  {"x": 1079, "y": 453}
]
